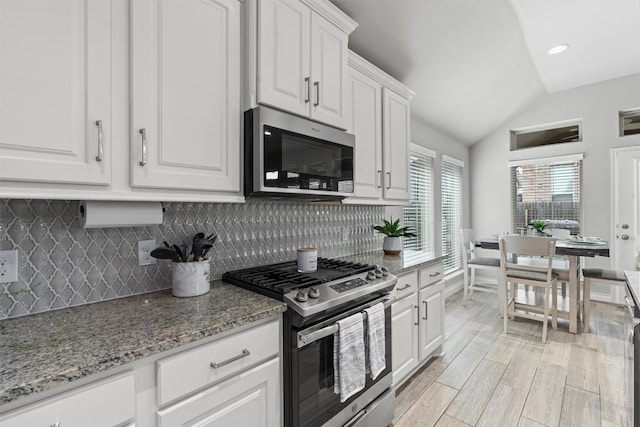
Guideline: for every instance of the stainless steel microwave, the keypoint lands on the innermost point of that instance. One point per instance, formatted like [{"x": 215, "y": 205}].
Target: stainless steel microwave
[{"x": 287, "y": 156}]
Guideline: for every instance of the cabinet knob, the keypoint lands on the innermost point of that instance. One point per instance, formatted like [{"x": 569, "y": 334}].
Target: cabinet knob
[
  {"x": 100, "y": 141},
  {"x": 143, "y": 159},
  {"x": 307, "y": 83},
  {"x": 317, "y": 85}
]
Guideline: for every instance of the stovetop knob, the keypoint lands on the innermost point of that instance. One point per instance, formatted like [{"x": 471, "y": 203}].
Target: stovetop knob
[
  {"x": 301, "y": 296},
  {"x": 314, "y": 293},
  {"x": 385, "y": 271},
  {"x": 378, "y": 273},
  {"x": 371, "y": 275}
]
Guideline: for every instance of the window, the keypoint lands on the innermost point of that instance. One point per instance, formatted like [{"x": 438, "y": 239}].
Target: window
[
  {"x": 546, "y": 189},
  {"x": 451, "y": 188},
  {"x": 553, "y": 133},
  {"x": 419, "y": 216},
  {"x": 629, "y": 122}
]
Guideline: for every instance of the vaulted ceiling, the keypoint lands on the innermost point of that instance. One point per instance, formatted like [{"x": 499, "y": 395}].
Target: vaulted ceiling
[{"x": 475, "y": 63}]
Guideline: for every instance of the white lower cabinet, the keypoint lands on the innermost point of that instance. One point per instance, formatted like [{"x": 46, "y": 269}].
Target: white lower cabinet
[
  {"x": 106, "y": 403},
  {"x": 417, "y": 320},
  {"x": 250, "y": 398},
  {"x": 233, "y": 381}
]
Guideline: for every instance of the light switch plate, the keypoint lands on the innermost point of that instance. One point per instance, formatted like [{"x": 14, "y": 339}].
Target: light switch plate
[{"x": 8, "y": 266}]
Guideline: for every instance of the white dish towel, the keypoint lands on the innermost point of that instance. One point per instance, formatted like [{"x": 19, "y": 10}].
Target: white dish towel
[
  {"x": 376, "y": 341},
  {"x": 349, "y": 357}
]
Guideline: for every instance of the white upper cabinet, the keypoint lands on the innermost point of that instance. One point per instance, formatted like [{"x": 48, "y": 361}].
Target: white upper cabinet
[
  {"x": 302, "y": 58},
  {"x": 365, "y": 122},
  {"x": 396, "y": 128},
  {"x": 378, "y": 109},
  {"x": 185, "y": 120},
  {"x": 55, "y": 65}
]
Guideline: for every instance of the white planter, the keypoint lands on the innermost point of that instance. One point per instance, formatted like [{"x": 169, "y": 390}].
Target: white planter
[
  {"x": 392, "y": 245},
  {"x": 190, "y": 279}
]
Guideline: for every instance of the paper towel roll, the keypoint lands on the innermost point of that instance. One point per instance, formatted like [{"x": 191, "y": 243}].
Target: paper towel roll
[{"x": 101, "y": 214}]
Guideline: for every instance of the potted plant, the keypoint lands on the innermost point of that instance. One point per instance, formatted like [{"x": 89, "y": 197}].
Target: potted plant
[
  {"x": 540, "y": 226},
  {"x": 394, "y": 233}
]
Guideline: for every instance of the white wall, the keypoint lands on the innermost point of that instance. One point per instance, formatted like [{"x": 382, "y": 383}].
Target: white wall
[{"x": 597, "y": 105}]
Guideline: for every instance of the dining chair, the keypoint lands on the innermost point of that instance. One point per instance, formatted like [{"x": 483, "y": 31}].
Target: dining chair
[
  {"x": 538, "y": 276},
  {"x": 561, "y": 263},
  {"x": 611, "y": 277},
  {"x": 471, "y": 263}
]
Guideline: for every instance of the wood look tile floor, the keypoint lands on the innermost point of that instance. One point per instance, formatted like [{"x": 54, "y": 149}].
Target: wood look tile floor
[{"x": 488, "y": 378}]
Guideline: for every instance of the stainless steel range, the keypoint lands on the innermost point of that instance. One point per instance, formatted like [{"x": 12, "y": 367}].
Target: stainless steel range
[{"x": 316, "y": 302}]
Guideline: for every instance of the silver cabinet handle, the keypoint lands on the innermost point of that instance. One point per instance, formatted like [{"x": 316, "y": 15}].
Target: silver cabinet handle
[
  {"x": 407, "y": 286},
  {"x": 317, "y": 85},
  {"x": 426, "y": 310},
  {"x": 100, "y": 141},
  {"x": 244, "y": 353},
  {"x": 418, "y": 309},
  {"x": 388, "y": 180},
  {"x": 308, "y": 86},
  {"x": 143, "y": 161},
  {"x": 379, "y": 179},
  {"x": 56, "y": 424},
  {"x": 436, "y": 274}
]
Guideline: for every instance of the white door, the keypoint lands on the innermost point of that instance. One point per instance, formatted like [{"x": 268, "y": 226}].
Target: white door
[
  {"x": 365, "y": 122},
  {"x": 626, "y": 216},
  {"x": 328, "y": 71},
  {"x": 431, "y": 319},
  {"x": 55, "y": 93},
  {"x": 186, "y": 94},
  {"x": 283, "y": 55},
  {"x": 404, "y": 336},
  {"x": 395, "y": 140}
]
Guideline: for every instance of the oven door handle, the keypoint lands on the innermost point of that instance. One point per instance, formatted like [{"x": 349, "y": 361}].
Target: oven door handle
[{"x": 305, "y": 338}]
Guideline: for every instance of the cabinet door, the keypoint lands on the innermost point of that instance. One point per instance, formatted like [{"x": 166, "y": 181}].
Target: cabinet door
[
  {"x": 283, "y": 55},
  {"x": 104, "y": 404},
  {"x": 365, "y": 122},
  {"x": 404, "y": 336},
  {"x": 251, "y": 398},
  {"x": 186, "y": 94},
  {"x": 328, "y": 71},
  {"x": 431, "y": 319},
  {"x": 55, "y": 91},
  {"x": 396, "y": 128}
]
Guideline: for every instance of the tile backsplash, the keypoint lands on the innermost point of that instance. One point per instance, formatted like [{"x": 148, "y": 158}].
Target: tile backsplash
[{"x": 62, "y": 265}]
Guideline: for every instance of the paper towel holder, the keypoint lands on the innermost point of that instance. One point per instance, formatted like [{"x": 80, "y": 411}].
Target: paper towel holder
[{"x": 118, "y": 214}]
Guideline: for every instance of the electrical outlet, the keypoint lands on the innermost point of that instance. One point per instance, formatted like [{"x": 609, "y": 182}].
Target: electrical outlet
[
  {"x": 8, "y": 266},
  {"x": 345, "y": 234},
  {"x": 373, "y": 230},
  {"x": 144, "y": 252}
]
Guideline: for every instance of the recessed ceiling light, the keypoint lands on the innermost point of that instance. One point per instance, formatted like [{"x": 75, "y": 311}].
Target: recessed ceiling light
[{"x": 558, "y": 49}]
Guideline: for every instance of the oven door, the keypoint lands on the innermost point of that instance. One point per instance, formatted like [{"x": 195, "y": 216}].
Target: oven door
[{"x": 313, "y": 401}]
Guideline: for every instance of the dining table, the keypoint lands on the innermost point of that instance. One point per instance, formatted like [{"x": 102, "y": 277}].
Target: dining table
[{"x": 573, "y": 248}]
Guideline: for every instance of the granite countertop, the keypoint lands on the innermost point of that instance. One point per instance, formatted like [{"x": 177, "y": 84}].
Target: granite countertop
[
  {"x": 40, "y": 351},
  {"x": 406, "y": 262},
  {"x": 633, "y": 281}
]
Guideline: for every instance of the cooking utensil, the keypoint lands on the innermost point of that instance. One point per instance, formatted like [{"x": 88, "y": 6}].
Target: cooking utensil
[
  {"x": 179, "y": 252},
  {"x": 166, "y": 253}
]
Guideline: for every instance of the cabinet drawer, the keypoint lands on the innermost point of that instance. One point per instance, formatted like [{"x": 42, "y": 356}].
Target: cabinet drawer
[
  {"x": 106, "y": 403},
  {"x": 251, "y": 398},
  {"x": 431, "y": 275},
  {"x": 193, "y": 369},
  {"x": 407, "y": 285}
]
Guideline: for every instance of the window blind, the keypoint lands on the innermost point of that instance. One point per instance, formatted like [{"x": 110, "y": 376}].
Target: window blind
[
  {"x": 546, "y": 189},
  {"x": 419, "y": 215},
  {"x": 451, "y": 189}
]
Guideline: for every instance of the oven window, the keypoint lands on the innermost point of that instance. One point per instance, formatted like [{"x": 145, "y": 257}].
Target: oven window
[{"x": 292, "y": 160}]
